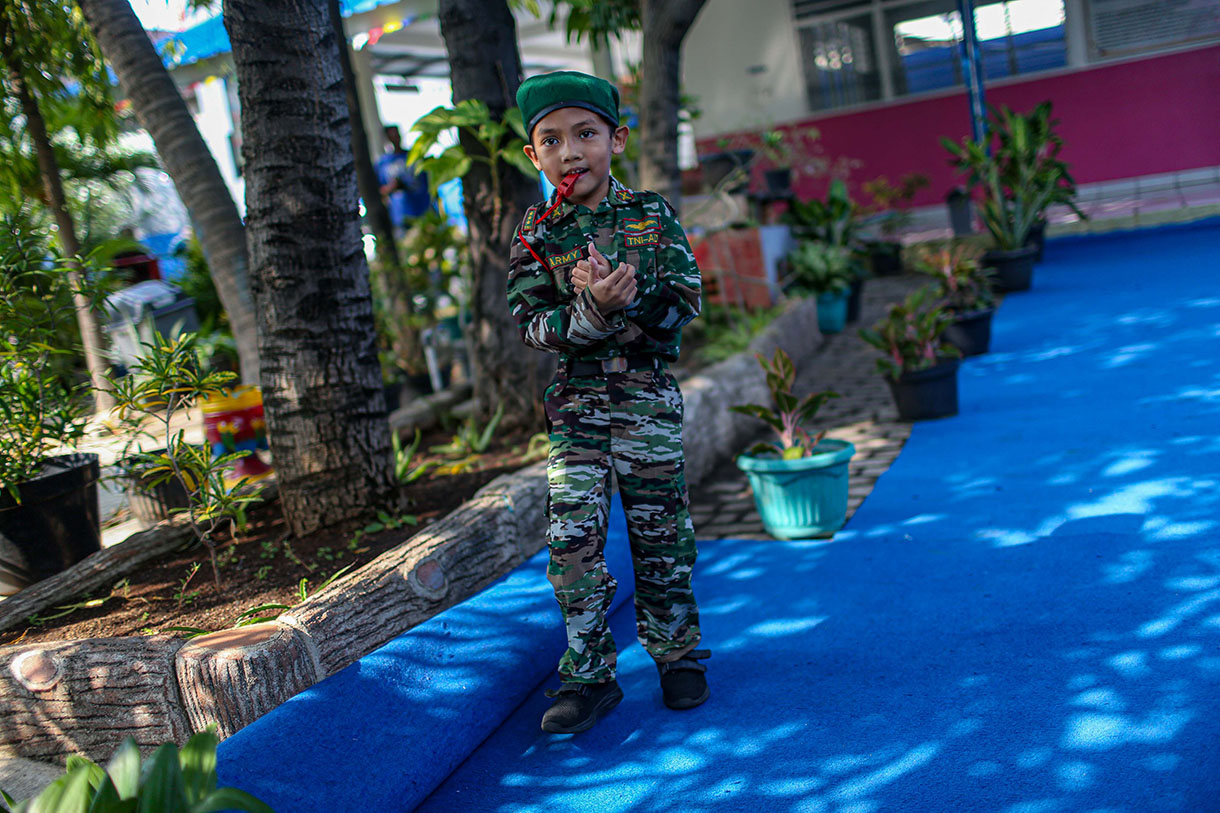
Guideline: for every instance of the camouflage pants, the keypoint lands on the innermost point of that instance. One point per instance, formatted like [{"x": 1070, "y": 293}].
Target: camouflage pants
[{"x": 632, "y": 422}]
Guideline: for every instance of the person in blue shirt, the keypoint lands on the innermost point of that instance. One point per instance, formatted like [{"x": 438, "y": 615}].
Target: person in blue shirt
[{"x": 404, "y": 189}]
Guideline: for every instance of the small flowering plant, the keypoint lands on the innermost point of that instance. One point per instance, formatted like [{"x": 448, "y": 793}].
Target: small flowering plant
[
  {"x": 910, "y": 335},
  {"x": 787, "y": 412},
  {"x": 964, "y": 285}
]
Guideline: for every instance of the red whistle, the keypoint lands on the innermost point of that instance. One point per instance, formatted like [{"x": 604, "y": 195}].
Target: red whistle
[{"x": 565, "y": 186}]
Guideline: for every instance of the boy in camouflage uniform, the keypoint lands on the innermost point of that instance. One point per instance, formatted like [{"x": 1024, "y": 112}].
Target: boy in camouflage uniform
[{"x": 606, "y": 279}]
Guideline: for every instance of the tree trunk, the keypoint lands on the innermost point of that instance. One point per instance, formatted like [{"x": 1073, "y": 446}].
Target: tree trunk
[
  {"x": 163, "y": 113},
  {"x": 484, "y": 63},
  {"x": 233, "y": 677},
  {"x": 322, "y": 387},
  {"x": 378, "y": 214},
  {"x": 99, "y": 689},
  {"x": 665, "y": 23},
  {"x": 53, "y": 190},
  {"x": 392, "y": 280}
]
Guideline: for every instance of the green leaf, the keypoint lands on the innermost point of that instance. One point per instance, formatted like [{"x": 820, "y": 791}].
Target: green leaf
[
  {"x": 520, "y": 161},
  {"x": 513, "y": 118},
  {"x": 197, "y": 760},
  {"x": 124, "y": 768},
  {"x": 231, "y": 799},
  {"x": 161, "y": 787}
]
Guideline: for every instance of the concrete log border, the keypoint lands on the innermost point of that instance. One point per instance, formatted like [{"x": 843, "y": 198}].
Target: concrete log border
[{"x": 86, "y": 696}]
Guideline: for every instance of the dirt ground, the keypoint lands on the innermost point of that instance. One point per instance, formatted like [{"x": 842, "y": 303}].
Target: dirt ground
[{"x": 262, "y": 565}]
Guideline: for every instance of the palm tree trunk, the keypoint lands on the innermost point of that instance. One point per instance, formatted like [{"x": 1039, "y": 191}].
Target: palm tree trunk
[
  {"x": 53, "y": 190},
  {"x": 393, "y": 282},
  {"x": 665, "y": 23},
  {"x": 163, "y": 113},
  {"x": 484, "y": 63},
  {"x": 321, "y": 380}
]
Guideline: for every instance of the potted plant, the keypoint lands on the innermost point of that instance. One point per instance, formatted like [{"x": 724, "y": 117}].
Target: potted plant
[
  {"x": 1047, "y": 144},
  {"x": 800, "y": 482},
  {"x": 778, "y": 172},
  {"x": 919, "y": 367},
  {"x": 891, "y": 217},
  {"x": 964, "y": 287},
  {"x": 826, "y": 272},
  {"x": 49, "y": 517},
  {"x": 833, "y": 221},
  {"x": 1019, "y": 177}
]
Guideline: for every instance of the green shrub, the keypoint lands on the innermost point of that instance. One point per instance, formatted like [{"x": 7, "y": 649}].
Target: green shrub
[{"x": 169, "y": 781}]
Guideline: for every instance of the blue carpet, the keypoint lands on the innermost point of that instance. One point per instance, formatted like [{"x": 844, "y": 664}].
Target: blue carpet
[
  {"x": 1023, "y": 617},
  {"x": 381, "y": 734}
]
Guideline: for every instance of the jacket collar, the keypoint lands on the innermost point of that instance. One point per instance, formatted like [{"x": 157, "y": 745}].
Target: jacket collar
[{"x": 618, "y": 195}]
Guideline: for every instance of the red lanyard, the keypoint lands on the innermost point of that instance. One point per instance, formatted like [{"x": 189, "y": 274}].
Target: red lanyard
[{"x": 561, "y": 193}]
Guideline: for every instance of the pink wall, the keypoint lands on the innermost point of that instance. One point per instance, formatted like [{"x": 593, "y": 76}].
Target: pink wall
[{"x": 1160, "y": 114}]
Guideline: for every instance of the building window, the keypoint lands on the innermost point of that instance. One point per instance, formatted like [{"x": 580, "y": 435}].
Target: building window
[
  {"x": 840, "y": 68},
  {"x": 1125, "y": 27},
  {"x": 922, "y": 47}
]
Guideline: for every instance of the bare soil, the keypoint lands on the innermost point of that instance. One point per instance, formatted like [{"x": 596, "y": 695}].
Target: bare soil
[{"x": 263, "y": 564}]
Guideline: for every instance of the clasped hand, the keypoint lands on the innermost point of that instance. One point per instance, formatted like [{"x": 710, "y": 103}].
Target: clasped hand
[{"x": 611, "y": 290}]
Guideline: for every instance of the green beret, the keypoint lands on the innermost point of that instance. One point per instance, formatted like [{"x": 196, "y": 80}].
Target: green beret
[{"x": 540, "y": 95}]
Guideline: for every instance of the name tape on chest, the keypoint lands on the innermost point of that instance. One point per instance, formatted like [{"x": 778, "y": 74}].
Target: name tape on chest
[
  {"x": 556, "y": 260},
  {"x": 640, "y": 233}
]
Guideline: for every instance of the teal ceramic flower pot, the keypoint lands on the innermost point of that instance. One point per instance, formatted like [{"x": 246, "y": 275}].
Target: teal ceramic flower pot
[
  {"x": 832, "y": 312},
  {"x": 805, "y": 498}
]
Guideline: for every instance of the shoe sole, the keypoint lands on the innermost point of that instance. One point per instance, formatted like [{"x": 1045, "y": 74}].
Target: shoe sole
[
  {"x": 607, "y": 703},
  {"x": 689, "y": 703}
]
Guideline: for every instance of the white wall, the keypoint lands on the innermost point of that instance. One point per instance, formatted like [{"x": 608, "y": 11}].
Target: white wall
[
  {"x": 215, "y": 123},
  {"x": 741, "y": 60}
]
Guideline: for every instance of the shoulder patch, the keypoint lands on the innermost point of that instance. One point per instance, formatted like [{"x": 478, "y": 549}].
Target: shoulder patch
[
  {"x": 623, "y": 195},
  {"x": 531, "y": 218}
]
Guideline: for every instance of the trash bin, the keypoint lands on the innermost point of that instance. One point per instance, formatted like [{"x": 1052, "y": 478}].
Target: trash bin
[{"x": 136, "y": 313}]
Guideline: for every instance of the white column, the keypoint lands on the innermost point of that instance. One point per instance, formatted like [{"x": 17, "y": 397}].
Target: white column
[
  {"x": 1076, "y": 32},
  {"x": 362, "y": 67}
]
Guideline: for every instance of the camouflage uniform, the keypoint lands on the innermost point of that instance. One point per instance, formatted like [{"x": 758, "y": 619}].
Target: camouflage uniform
[{"x": 625, "y": 415}]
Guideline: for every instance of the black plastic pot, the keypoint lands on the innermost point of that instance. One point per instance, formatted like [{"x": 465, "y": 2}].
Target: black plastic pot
[
  {"x": 971, "y": 332},
  {"x": 924, "y": 394},
  {"x": 154, "y": 503},
  {"x": 1037, "y": 239},
  {"x": 779, "y": 182},
  {"x": 717, "y": 166},
  {"x": 55, "y": 525},
  {"x": 1014, "y": 270},
  {"x": 885, "y": 258},
  {"x": 853, "y": 300}
]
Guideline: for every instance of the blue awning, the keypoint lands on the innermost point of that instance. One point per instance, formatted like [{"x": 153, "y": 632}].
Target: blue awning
[{"x": 209, "y": 38}]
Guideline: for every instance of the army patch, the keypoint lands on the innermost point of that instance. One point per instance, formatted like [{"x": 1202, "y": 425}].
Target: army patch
[
  {"x": 527, "y": 224},
  {"x": 638, "y": 240},
  {"x": 648, "y": 224},
  {"x": 623, "y": 195},
  {"x": 556, "y": 260}
]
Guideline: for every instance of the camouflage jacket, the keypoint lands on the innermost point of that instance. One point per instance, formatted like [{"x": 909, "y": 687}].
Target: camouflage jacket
[{"x": 638, "y": 228}]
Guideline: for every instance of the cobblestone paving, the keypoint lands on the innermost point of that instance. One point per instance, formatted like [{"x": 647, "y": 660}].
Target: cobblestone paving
[{"x": 722, "y": 507}]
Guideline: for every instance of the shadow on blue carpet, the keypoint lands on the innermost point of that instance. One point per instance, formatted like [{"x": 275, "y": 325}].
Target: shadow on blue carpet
[{"x": 1023, "y": 617}]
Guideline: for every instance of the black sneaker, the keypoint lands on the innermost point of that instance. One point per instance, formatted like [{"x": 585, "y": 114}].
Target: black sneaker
[
  {"x": 578, "y": 705},
  {"x": 682, "y": 682}
]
